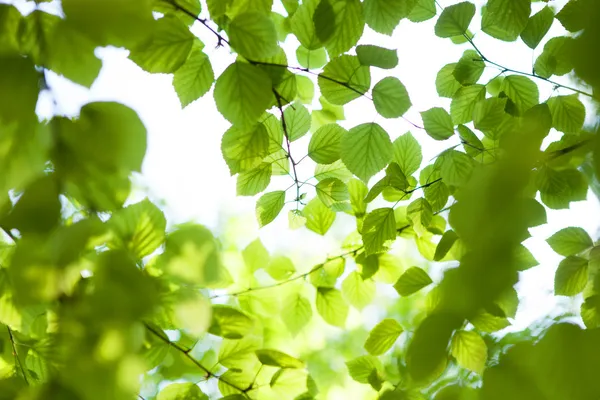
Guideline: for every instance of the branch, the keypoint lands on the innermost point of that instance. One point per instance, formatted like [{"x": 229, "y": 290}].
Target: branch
[
  {"x": 295, "y": 278},
  {"x": 203, "y": 21},
  {"x": 16, "y": 355},
  {"x": 186, "y": 353}
]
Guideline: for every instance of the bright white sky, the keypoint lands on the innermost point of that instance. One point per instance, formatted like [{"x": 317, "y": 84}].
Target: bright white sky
[{"x": 184, "y": 169}]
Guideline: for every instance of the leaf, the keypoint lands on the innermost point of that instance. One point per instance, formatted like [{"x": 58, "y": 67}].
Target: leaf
[
  {"x": 140, "y": 228},
  {"x": 383, "y": 336},
  {"x": 276, "y": 358},
  {"x": 297, "y": 121},
  {"x": 559, "y": 188},
  {"x": 333, "y": 193},
  {"x": 505, "y": 19},
  {"x": 537, "y": 27},
  {"x": 470, "y": 350},
  {"x": 471, "y": 143},
  {"x": 436, "y": 193},
  {"x": 319, "y": 217},
  {"x": 303, "y": 27},
  {"x": 280, "y": 268},
  {"x": 193, "y": 7},
  {"x": 358, "y": 291},
  {"x": 254, "y": 181},
  {"x": 574, "y": 16},
  {"x": 169, "y": 48},
  {"x": 194, "y": 78},
  {"x": 366, "y": 150},
  {"x": 331, "y": 306},
  {"x": 344, "y": 79},
  {"x": 488, "y": 115},
  {"x": 269, "y": 206},
  {"x": 243, "y": 93},
  {"x": 229, "y": 323},
  {"x": 337, "y": 169},
  {"x": 326, "y": 275},
  {"x": 311, "y": 59},
  {"x": 455, "y": 167},
  {"x": 347, "y": 20},
  {"x": 463, "y": 103},
  {"x": 181, "y": 391},
  {"x": 455, "y": 20},
  {"x": 384, "y": 15},
  {"x": 379, "y": 227},
  {"x": 325, "y": 144},
  {"x": 556, "y": 59},
  {"x": 244, "y": 148},
  {"x": 252, "y": 34},
  {"x": 239, "y": 353},
  {"x": 522, "y": 91},
  {"x": 357, "y": 190},
  {"x": 422, "y": 11},
  {"x": 360, "y": 368},
  {"x": 376, "y": 56},
  {"x": 571, "y": 276},
  {"x": 391, "y": 98},
  {"x": 469, "y": 68},
  {"x": 570, "y": 241},
  {"x": 296, "y": 313},
  {"x": 437, "y": 123},
  {"x": 445, "y": 81},
  {"x": 568, "y": 113},
  {"x": 306, "y": 89},
  {"x": 411, "y": 281},
  {"x": 407, "y": 153},
  {"x": 446, "y": 242}
]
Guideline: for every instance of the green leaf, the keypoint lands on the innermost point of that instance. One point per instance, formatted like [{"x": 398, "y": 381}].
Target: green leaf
[
  {"x": 360, "y": 368},
  {"x": 445, "y": 81},
  {"x": 193, "y": 7},
  {"x": 391, "y": 98},
  {"x": 311, "y": 59},
  {"x": 455, "y": 20},
  {"x": 302, "y": 25},
  {"x": 488, "y": 115},
  {"x": 306, "y": 89},
  {"x": 407, "y": 153},
  {"x": 378, "y": 228},
  {"x": 319, "y": 217},
  {"x": 366, "y": 150},
  {"x": 336, "y": 169},
  {"x": 245, "y": 147},
  {"x": 469, "y": 68},
  {"x": 471, "y": 142},
  {"x": 556, "y": 59},
  {"x": 276, "y": 358},
  {"x": 445, "y": 244},
  {"x": 140, "y": 228},
  {"x": 279, "y": 161},
  {"x": 326, "y": 275},
  {"x": 455, "y": 167},
  {"x": 505, "y": 19},
  {"x": 437, "y": 123},
  {"x": 194, "y": 79},
  {"x": 280, "y": 268},
  {"x": 574, "y": 16},
  {"x": 559, "y": 188},
  {"x": 422, "y": 11},
  {"x": 568, "y": 113},
  {"x": 570, "y": 241},
  {"x": 297, "y": 121},
  {"x": 10, "y": 19},
  {"x": 255, "y": 255},
  {"x": 463, "y": 103},
  {"x": 254, "y": 181},
  {"x": 333, "y": 193},
  {"x": 357, "y": 190},
  {"x": 376, "y": 56},
  {"x": 331, "y": 306},
  {"x": 269, "y": 206},
  {"x": 436, "y": 193},
  {"x": 229, "y": 323},
  {"x": 384, "y": 15},
  {"x": 383, "y": 336},
  {"x": 349, "y": 24},
  {"x": 522, "y": 91},
  {"x": 169, "y": 48},
  {"x": 358, "y": 291},
  {"x": 325, "y": 144},
  {"x": 242, "y": 93},
  {"x": 296, "y": 312},
  {"x": 571, "y": 276},
  {"x": 344, "y": 79},
  {"x": 252, "y": 34},
  {"x": 470, "y": 350},
  {"x": 537, "y": 27},
  {"x": 181, "y": 391},
  {"x": 411, "y": 281}
]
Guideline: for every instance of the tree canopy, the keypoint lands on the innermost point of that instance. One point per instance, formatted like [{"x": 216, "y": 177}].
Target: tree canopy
[{"x": 102, "y": 298}]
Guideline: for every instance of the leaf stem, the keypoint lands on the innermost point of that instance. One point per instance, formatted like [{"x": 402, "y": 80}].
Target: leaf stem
[{"x": 16, "y": 355}]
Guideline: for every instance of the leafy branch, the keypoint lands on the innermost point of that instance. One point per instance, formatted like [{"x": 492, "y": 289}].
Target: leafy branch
[{"x": 186, "y": 353}]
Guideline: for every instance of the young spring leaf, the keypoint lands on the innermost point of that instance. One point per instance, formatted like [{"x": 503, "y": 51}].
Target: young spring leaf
[
  {"x": 194, "y": 79},
  {"x": 356, "y": 80},
  {"x": 176, "y": 391},
  {"x": 331, "y": 306},
  {"x": 383, "y": 336},
  {"x": 445, "y": 244},
  {"x": 470, "y": 350},
  {"x": 378, "y": 228},
  {"x": 280, "y": 268},
  {"x": 252, "y": 34},
  {"x": 333, "y": 193},
  {"x": 455, "y": 20},
  {"x": 358, "y": 291},
  {"x": 568, "y": 113},
  {"x": 571, "y": 276},
  {"x": 319, "y": 217},
  {"x": 391, "y": 98},
  {"x": 469, "y": 68},
  {"x": 366, "y": 150},
  {"x": 325, "y": 144},
  {"x": 297, "y": 121},
  {"x": 537, "y": 27},
  {"x": 570, "y": 241},
  {"x": 269, "y": 206},
  {"x": 376, "y": 56},
  {"x": 411, "y": 281},
  {"x": 445, "y": 81},
  {"x": 505, "y": 19},
  {"x": 463, "y": 103},
  {"x": 229, "y": 323},
  {"x": 276, "y": 358},
  {"x": 407, "y": 153},
  {"x": 254, "y": 181},
  {"x": 296, "y": 312},
  {"x": 437, "y": 123},
  {"x": 384, "y": 15},
  {"x": 362, "y": 367},
  {"x": 522, "y": 91}
]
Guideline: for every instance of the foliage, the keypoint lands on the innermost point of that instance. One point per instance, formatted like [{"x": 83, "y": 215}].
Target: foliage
[{"x": 102, "y": 299}]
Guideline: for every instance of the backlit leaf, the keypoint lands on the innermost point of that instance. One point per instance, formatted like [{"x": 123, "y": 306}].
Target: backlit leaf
[
  {"x": 383, "y": 336},
  {"x": 411, "y": 281}
]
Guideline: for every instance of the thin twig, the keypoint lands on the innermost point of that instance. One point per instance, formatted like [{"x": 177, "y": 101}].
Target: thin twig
[{"x": 16, "y": 355}]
